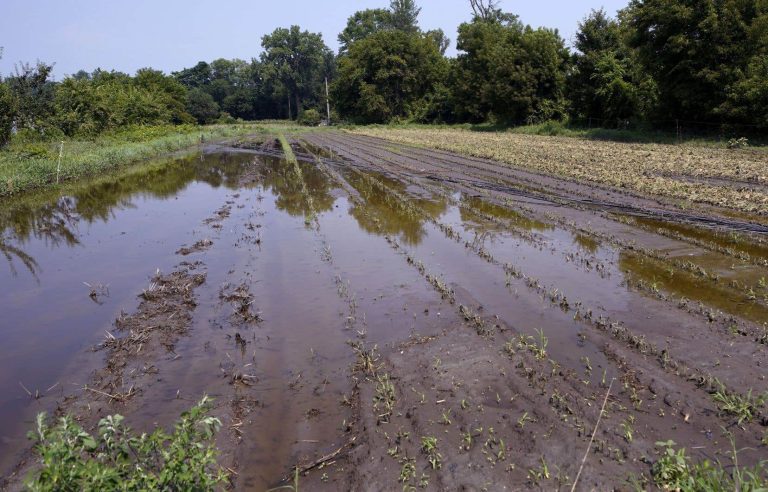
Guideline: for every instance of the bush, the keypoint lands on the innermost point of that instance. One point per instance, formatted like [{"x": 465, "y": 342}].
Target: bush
[
  {"x": 310, "y": 117},
  {"x": 225, "y": 119},
  {"x": 6, "y": 114},
  {"x": 201, "y": 106},
  {"x": 115, "y": 459}
]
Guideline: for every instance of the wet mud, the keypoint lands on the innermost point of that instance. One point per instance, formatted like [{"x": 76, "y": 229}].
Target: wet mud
[{"x": 382, "y": 317}]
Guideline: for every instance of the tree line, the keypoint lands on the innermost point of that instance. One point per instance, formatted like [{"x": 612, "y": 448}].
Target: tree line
[{"x": 658, "y": 60}]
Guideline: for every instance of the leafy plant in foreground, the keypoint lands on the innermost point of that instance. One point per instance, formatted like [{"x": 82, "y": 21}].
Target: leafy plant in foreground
[
  {"x": 675, "y": 471},
  {"x": 116, "y": 459}
]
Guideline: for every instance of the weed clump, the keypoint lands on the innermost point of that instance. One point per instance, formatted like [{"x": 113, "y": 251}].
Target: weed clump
[
  {"x": 117, "y": 459},
  {"x": 674, "y": 470}
]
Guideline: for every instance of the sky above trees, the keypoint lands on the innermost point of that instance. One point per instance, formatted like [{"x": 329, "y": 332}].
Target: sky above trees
[{"x": 173, "y": 34}]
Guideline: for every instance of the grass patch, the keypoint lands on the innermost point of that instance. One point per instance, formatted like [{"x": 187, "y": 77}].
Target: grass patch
[
  {"x": 117, "y": 459},
  {"x": 287, "y": 150},
  {"x": 27, "y": 165}
]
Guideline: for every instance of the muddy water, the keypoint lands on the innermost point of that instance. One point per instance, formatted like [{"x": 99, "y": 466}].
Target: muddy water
[
  {"x": 112, "y": 233},
  {"x": 314, "y": 288},
  {"x": 320, "y": 272}
]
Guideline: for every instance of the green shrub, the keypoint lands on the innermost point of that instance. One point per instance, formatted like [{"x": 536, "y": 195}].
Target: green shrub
[
  {"x": 310, "y": 117},
  {"x": 7, "y": 113},
  {"x": 674, "y": 470},
  {"x": 115, "y": 459}
]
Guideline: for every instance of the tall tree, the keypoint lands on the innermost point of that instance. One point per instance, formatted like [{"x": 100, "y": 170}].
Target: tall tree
[
  {"x": 33, "y": 94},
  {"x": 695, "y": 50},
  {"x": 362, "y": 24},
  {"x": 508, "y": 72},
  {"x": 605, "y": 82},
  {"x": 198, "y": 76},
  {"x": 439, "y": 38},
  {"x": 388, "y": 75},
  {"x": 299, "y": 61},
  {"x": 405, "y": 15}
]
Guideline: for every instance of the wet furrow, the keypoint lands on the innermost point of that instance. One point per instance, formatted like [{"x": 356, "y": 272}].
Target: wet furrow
[{"x": 742, "y": 356}]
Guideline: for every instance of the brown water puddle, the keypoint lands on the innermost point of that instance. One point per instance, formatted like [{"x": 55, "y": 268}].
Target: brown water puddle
[
  {"x": 313, "y": 289},
  {"x": 111, "y": 233},
  {"x": 732, "y": 241},
  {"x": 310, "y": 266},
  {"x": 659, "y": 277}
]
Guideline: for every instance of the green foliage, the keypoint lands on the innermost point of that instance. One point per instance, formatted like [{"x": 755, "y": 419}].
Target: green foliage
[
  {"x": 117, "y": 459},
  {"x": 298, "y": 61},
  {"x": 90, "y": 104},
  {"x": 390, "y": 74},
  {"x": 32, "y": 93},
  {"x": 675, "y": 471},
  {"x": 7, "y": 114},
  {"x": 310, "y": 117},
  {"x": 361, "y": 25},
  {"x": 202, "y": 106},
  {"x": 509, "y": 72},
  {"x": 405, "y": 15},
  {"x": 605, "y": 82},
  {"x": 705, "y": 57}
]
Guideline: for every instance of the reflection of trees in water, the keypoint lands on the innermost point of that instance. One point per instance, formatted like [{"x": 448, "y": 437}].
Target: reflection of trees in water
[
  {"x": 383, "y": 212},
  {"x": 473, "y": 222},
  {"x": 281, "y": 178},
  {"x": 13, "y": 253},
  {"x": 54, "y": 219}
]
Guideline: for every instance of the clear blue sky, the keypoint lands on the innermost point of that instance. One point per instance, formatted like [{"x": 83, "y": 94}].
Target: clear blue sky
[{"x": 172, "y": 34}]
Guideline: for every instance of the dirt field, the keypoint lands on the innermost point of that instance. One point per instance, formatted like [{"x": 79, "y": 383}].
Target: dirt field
[
  {"x": 736, "y": 179},
  {"x": 388, "y": 317}
]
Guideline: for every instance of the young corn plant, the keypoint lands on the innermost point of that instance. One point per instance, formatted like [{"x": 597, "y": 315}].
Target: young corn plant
[{"x": 429, "y": 448}]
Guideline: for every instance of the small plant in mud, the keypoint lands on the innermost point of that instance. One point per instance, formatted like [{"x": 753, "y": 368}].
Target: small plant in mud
[
  {"x": 536, "y": 475},
  {"x": 429, "y": 448},
  {"x": 367, "y": 359},
  {"x": 408, "y": 471},
  {"x": 384, "y": 400},
  {"x": 744, "y": 407},
  {"x": 537, "y": 348},
  {"x": 117, "y": 459},
  {"x": 627, "y": 428}
]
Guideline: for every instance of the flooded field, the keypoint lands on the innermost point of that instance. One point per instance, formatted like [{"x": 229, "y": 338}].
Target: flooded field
[{"x": 386, "y": 317}]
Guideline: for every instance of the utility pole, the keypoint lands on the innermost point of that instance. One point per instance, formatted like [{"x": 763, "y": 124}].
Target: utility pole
[{"x": 327, "y": 101}]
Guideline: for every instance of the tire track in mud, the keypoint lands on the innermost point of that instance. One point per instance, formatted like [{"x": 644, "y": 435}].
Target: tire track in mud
[
  {"x": 629, "y": 374},
  {"x": 353, "y": 322}
]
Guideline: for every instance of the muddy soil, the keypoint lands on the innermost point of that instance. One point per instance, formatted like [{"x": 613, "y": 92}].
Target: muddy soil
[{"x": 384, "y": 317}]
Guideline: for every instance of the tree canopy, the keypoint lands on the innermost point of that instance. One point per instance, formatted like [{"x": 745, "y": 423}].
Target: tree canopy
[{"x": 657, "y": 61}]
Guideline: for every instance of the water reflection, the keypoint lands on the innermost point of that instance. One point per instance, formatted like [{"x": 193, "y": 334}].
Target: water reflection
[
  {"x": 513, "y": 217},
  {"x": 660, "y": 277},
  {"x": 281, "y": 178},
  {"x": 53, "y": 217},
  {"x": 383, "y": 213}
]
